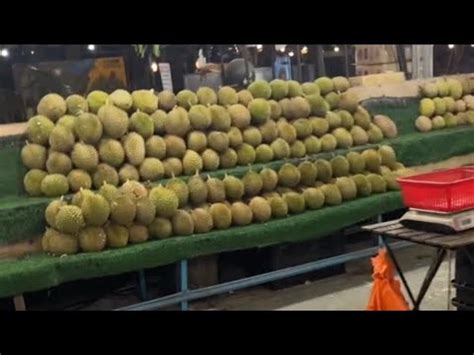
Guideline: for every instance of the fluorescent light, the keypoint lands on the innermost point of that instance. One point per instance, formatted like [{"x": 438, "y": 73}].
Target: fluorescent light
[
  {"x": 259, "y": 47},
  {"x": 450, "y": 46},
  {"x": 291, "y": 54},
  {"x": 154, "y": 67},
  {"x": 336, "y": 49},
  {"x": 91, "y": 47},
  {"x": 5, "y": 52}
]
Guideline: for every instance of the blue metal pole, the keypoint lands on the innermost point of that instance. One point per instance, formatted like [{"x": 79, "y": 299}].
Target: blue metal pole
[
  {"x": 183, "y": 297},
  {"x": 142, "y": 285},
  {"x": 380, "y": 239},
  {"x": 183, "y": 269}
]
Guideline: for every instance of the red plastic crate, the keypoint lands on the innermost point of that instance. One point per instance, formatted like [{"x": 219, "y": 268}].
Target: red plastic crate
[{"x": 445, "y": 191}]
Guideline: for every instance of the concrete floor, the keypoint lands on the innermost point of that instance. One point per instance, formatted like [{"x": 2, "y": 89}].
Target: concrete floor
[{"x": 349, "y": 291}]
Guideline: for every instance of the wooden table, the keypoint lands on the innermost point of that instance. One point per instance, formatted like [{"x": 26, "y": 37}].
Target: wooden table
[{"x": 444, "y": 243}]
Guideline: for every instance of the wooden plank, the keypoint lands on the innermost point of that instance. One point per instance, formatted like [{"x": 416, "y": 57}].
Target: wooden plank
[
  {"x": 388, "y": 229},
  {"x": 453, "y": 242},
  {"x": 423, "y": 237},
  {"x": 379, "y": 225}
]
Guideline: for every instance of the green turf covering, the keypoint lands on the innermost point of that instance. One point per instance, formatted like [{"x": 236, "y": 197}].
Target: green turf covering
[{"x": 42, "y": 271}]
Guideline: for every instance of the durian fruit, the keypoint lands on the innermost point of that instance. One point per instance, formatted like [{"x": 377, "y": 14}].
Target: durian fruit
[
  {"x": 260, "y": 89},
  {"x": 450, "y": 119},
  {"x": 121, "y": 99},
  {"x": 246, "y": 154},
  {"x": 278, "y": 206},
  {"x": 386, "y": 125},
  {"x": 32, "y": 182},
  {"x": 377, "y": 183},
  {"x": 206, "y": 96},
  {"x": 349, "y": 102},
  {"x": 295, "y": 202},
  {"x": 95, "y": 210},
  {"x": 260, "y": 111},
  {"x": 373, "y": 160},
  {"x": 459, "y": 106},
  {"x": 341, "y": 84},
  {"x": 364, "y": 188},
  {"x": 234, "y": 188},
  {"x": 134, "y": 147},
  {"x": 252, "y": 136},
  {"x": 359, "y": 136},
  {"x": 180, "y": 188},
  {"x": 182, "y": 223},
  {"x": 362, "y": 117},
  {"x": 192, "y": 162},
  {"x": 356, "y": 162},
  {"x": 375, "y": 134},
  {"x": 142, "y": 123},
  {"x": 210, "y": 160},
  {"x": 220, "y": 118},
  {"x": 333, "y": 119},
  {"x": 177, "y": 122},
  {"x": 239, "y": 115},
  {"x": 287, "y": 132},
  {"x": 173, "y": 167},
  {"x": 269, "y": 179},
  {"x": 244, "y": 97},
  {"x": 145, "y": 100},
  {"x": 310, "y": 88},
  {"x": 111, "y": 152},
  {"x": 268, "y": 131},
  {"x": 347, "y": 187},
  {"x": 96, "y": 99},
  {"x": 288, "y": 175},
  {"x": 423, "y": 124},
  {"x": 128, "y": 172},
  {"x": 297, "y": 149},
  {"x": 320, "y": 126},
  {"x": 151, "y": 169},
  {"x": 429, "y": 90},
  {"x": 308, "y": 172},
  {"x": 455, "y": 88},
  {"x": 343, "y": 138},
  {"x": 317, "y": 104},
  {"x": 134, "y": 189},
  {"x": 88, "y": 128},
  {"x": 450, "y": 104},
  {"x": 440, "y": 106},
  {"x": 227, "y": 96},
  {"x": 117, "y": 235},
  {"x": 69, "y": 121},
  {"x": 332, "y": 194},
  {"x": 281, "y": 149},
  {"x": 427, "y": 107},
  {"x": 333, "y": 100},
  {"x": 325, "y": 84},
  {"x": 78, "y": 179},
  {"x": 294, "y": 89},
  {"x": 92, "y": 239},
  {"x": 221, "y": 215},
  {"x": 303, "y": 128},
  {"x": 52, "y": 210},
  {"x": 312, "y": 145},
  {"x": 76, "y": 105},
  {"x": 79, "y": 197},
  {"x": 33, "y": 156},
  {"x": 391, "y": 180},
  {"x": 299, "y": 108},
  {"x": 340, "y": 166},
  {"x": 387, "y": 155},
  {"x": 228, "y": 159},
  {"x": 275, "y": 110},
  {"x": 123, "y": 210},
  {"x": 279, "y": 89},
  {"x": 261, "y": 209},
  {"x": 347, "y": 121},
  {"x": 160, "y": 228},
  {"x": 175, "y": 146},
  {"x": 69, "y": 219},
  {"x": 105, "y": 173},
  {"x": 313, "y": 198},
  {"x": 52, "y": 106},
  {"x": 108, "y": 191},
  {"x": 114, "y": 121},
  {"x": 216, "y": 190},
  {"x": 328, "y": 143},
  {"x": 235, "y": 137},
  {"x": 263, "y": 154},
  {"x": 166, "y": 100},
  {"x": 62, "y": 243},
  {"x": 242, "y": 214},
  {"x": 218, "y": 141},
  {"x": 198, "y": 190},
  {"x": 58, "y": 163},
  {"x": 200, "y": 117},
  {"x": 61, "y": 139},
  {"x": 324, "y": 170},
  {"x": 202, "y": 220},
  {"x": 38, "y": 130},
  {"x": 159, "y": 117},
  {"x": 252, "y": 182},
  {"x": 439, "y": 123}
]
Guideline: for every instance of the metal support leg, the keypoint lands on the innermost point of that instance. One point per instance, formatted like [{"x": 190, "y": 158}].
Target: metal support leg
[
  {"x": 435, "y": 264},
  {"x": 379, "y": 238},
  {"x": 399, "y": 270},
  {"x": 19, "y": 303},
  {"x": 183, "y": 269},
  {"x": 449, "y": 280},
  {"x": 142, "y": 289}
]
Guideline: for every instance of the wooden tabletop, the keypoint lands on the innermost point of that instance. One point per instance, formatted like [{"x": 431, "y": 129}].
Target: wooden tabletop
[{"x": 394, "y": 229}]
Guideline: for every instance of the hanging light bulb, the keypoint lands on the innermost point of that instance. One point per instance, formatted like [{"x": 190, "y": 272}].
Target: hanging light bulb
[
  {"x": 304, "y": 50},
  {"x": 336, "y": 49},
  {"x": 450, "y": 46},
  {"x": 5, "y": 52},
  {"x": 154, "y": 67},
  {"x": 91, "y": 47},
  {"x": 291, "y": 54}
]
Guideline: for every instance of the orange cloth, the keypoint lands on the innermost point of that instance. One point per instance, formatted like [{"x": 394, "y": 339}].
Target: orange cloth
[{"x": 386, "y": 293}]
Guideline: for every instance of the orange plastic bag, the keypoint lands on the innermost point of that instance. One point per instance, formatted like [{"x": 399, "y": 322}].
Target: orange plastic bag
[{"x": 386, "y": 293}]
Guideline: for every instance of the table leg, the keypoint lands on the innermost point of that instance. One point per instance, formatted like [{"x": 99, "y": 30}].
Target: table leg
[
  {"x": 435, "y": 264},
  {"x": 183, "y": 268},
  {"x": 399, "y": 270},
  {"x": 19, "y": 303}
]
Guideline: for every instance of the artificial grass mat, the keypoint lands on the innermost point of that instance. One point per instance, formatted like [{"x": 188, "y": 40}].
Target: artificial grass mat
[{"x": 43, "y": 271}]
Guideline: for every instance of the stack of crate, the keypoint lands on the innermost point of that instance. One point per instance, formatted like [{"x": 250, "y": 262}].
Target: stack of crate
[{"x": 376, "y": 59}]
